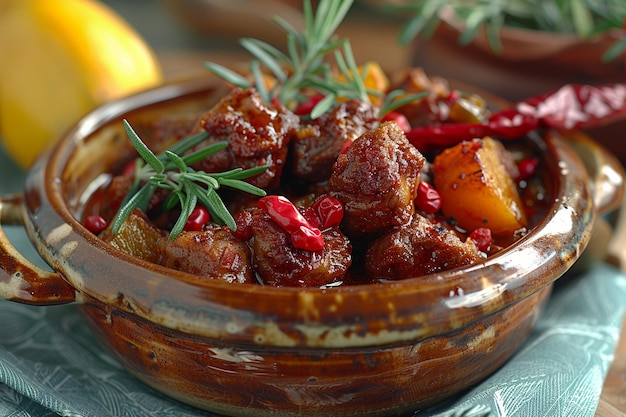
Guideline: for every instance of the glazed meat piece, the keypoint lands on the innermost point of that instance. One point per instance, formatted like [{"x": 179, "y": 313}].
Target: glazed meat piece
[
  {"x": 427, "y": 110},
  {"x": 418, "y": 248},
  {"x": 257, "y": 133},
  {"x": 212, "y": 253},
  {"x": 317, "y": 144},
  {"x": 377, "y": 180},
  {"x": 277, "y": 262}
]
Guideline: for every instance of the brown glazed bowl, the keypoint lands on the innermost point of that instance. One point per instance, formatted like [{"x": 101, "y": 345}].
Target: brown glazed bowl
[{"x": 250, "y": 350}]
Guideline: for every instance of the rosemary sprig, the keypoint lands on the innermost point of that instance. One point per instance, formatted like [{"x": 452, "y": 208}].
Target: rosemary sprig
[
  {"x": 305, "y": 64},
  {"x": 585, "y": 18},
  {"x": 187, "y": 187}
]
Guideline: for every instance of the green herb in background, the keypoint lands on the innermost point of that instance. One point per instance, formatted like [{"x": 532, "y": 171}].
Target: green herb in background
[
  {"x": 584, "y": 18},
  {"x": 307, "y": 63}
]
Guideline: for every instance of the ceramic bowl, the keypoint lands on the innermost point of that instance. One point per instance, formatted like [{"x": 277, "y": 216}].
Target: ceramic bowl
[{"x": 251, "y": 350}]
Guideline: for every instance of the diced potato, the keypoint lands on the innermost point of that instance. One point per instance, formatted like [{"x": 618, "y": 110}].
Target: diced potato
[
  {"x": 137, "y": 237},
  {"x": 476, "y": 189}
]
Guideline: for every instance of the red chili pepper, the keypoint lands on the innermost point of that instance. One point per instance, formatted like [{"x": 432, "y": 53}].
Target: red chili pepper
[
  {"x": 346, "y": 145},
  {"x": 400, "y": 119},
  {"x": 308, "y": 238},
  {"x": 482, "y": 238},
  {"x": 428, "y": 199},
  {"x": 289, "y": 218},
  {"x": 197, "y": 219},
  {"x": 573, "y": 106},
  {"x": 95, "y": 224},
  {"x": 329, "y": 211}
]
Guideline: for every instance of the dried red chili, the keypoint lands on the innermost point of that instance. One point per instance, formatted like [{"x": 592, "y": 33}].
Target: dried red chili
[
  {"x": 428, "y": 199},
  {"x": 288, "y": 217},
  {"x": 95, "y": 224},
  {"x": 400, "y": 119},
  {"x": 197, "y": 219},
  {"x": 572, "y": 106}
]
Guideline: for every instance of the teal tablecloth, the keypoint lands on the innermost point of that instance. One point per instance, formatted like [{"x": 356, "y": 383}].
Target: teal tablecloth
[{"x": 50, "y": 364}]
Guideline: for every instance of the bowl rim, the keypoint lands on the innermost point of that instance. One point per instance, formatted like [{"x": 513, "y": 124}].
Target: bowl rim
[{"x": 406, "y": 310}]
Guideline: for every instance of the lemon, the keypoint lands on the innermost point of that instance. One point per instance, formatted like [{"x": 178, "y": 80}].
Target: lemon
[{"x": 60, "y": 59}]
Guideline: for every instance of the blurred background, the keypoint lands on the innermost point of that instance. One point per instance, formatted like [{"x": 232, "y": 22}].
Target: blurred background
[{"x": 549, "y": 52}]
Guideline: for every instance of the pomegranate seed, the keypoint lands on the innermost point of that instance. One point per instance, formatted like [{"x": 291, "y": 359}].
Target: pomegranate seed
[
  {"x": 329, "y": 211},
  {"x": 129, "y": 169},
  {"x": 197, "y": 219},
  {"x": 307, "y": 106},
  {"x": 428, "y": 199},
  {"x": 95, "y": 224},
  {"x": 244, "y": 226},
  {"x": 482, "y": 238}
]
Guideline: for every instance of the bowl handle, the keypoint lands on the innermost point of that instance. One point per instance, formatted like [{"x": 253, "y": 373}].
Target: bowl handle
[
  {"x": 607, "y": 176},
  {"x": 604, "y": 169},
  {"x": 20, "y": 279}
]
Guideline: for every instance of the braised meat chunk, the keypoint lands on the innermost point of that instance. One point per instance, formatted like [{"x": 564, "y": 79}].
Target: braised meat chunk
[
  {"x": 257, "y": 134},
  {"x": 212, "y": 253},
  {"x": 377, "y": 181},
  {"x": 318, "y": 143},
  {"x": 278, "y": 263},
  {"x": 418, "y": 248}
]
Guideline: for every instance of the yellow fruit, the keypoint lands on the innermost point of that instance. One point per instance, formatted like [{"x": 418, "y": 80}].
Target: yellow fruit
[{"x": 60, "y": 59}]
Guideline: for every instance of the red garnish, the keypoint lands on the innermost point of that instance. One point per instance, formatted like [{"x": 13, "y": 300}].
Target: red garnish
[
  {"x": 482, "y": 238},
  {"x": 573, "y": 106},
  {"x": 400, "y": 119},
  {"x": 306, "y": 107},
  {"x": 95, "y": 224},
  {"x": 428, "y": 199},
  {"x": 329, "y": 211},
  {"x": 288, "y": 217},
  {"x": 197, "y": 219},
  {"x": 244, "y": 226},
  {"x": 527, "y": 168},
  {"x": 129, "y": 169},
  {"x": 346, "y": 145},
  {"x": 308, "y": 238}
]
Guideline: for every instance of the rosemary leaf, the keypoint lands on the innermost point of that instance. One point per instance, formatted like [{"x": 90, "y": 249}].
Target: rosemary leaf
[
  {"x": 242, "y": 186},
  {"x": 145, "y": 153},
  {"x": 323, "y": 106},
  {"x": 216, "y": 207},
  {"x": 139, "y": 200},
  {"x": 185, "y": 144},
  {"x": 240, "y": 174},
  {"x": 188, "y": 203},
  {"x": 177, "y": 160},
  {"x": 204, "y": 153},
  {"x": 267, "y": 55},
  {"x": 228, "y": 75}
]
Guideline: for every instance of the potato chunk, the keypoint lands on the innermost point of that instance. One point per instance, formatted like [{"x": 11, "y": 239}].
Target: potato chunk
[{"x": 476, "y": 188}]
